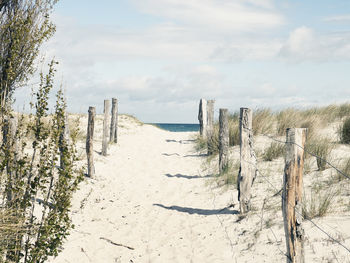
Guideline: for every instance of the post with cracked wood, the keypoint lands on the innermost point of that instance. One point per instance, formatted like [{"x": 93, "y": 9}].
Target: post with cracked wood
[
  {"x": 113, "y": 136},
  {"x": 90, "y": 142},
  {"x": 248, "y": 163},
  {"x": 105, "y": 127},
  {"x": 292, "y": 194},
  {"x": 210, "y": 126},
  {"x": 202, "y": 117},
  {"x": 223, "y": 140}
]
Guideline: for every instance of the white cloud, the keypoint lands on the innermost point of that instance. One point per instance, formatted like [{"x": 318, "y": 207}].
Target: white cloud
[
  {"x": 217, "y": 15},
  {"x": 304, "y": 44}
]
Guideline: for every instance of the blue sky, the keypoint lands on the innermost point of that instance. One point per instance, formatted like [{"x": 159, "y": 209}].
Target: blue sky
[{"x": 159, "y": 57}]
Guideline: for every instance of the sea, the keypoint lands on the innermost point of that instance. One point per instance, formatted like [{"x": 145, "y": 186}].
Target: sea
[{"x": 178, "y": 127}]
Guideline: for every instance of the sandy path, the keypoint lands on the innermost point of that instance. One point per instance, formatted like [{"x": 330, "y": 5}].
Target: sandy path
[{"x": 150, "y": 195}]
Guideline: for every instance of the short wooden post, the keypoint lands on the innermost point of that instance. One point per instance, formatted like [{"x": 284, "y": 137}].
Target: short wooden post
[
  {"x": 248, "y": 168},
  {"x": 292, "y": 194},
  {"x": 114, "y": 122},
  {"x": 210, "y": 125},
  {"x": 105, "y": 127},
  {"x": 90, "y": 141},
  {"x": 223, "y": 140},
  {"x": 202, "y": 117}
]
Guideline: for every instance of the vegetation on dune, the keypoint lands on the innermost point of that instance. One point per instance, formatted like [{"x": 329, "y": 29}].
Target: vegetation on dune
[
  {"x": 274, "y": 151},
  {"x": 321, "y": 150},
  {"x": 38, "y": 175},
  {"x": 345, "y": 131}
]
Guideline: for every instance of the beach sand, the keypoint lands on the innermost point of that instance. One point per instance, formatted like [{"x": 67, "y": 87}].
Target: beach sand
[{"x": 153, "y": 199}]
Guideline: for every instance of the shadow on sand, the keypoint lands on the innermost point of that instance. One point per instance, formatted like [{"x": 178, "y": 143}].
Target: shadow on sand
[
  {"x": 197, "y": 155},
  {"x": 170, "y": 154},
  {"x": 187, "y": 176},
  {"x": 198, "y": 211},
  {"x": 181, "y": 141}
]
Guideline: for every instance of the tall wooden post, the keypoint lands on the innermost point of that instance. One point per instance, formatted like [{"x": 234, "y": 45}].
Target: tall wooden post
[
  {"x": 223, "y": 140},
  {"x": 90, "y": 141},
  {"x": 292, "y": 194},
  {"x": 210, "y": 125},
  {"x": 114, "y": 121},
  {"x": 202, "y": 117},
  {"x": 105, "y": 127},
  {"x": 248, "y": 168}
]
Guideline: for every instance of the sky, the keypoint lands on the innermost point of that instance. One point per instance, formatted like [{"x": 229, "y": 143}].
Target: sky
[{"x": 160, "y": 57}]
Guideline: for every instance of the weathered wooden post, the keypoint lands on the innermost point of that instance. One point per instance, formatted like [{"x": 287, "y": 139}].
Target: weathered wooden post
[
  {"x": 223, "y": 140},
  {"x": 210, "y": 125},
  {"x": 202, "y": 117},
  {"x": 248, "y": 168},
  {"x": 105, "y": 127},
  {"x": 90, "y": 141},
  {"x": 113, "y": 136},
  {"x": 292, "y": 194}
]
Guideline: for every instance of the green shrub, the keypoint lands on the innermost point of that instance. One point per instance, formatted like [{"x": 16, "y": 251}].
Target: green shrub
[
  {"x": 345, "y": 131},
  {"x": 39, "y": 167},
  {"x": 274, "y": 151}
]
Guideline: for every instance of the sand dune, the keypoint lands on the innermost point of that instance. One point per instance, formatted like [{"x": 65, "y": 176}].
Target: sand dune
[{"x": 154, "y": 200}]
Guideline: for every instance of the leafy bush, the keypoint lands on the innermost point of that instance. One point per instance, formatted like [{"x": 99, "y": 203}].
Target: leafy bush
[
  {"x": 274, "y": 151},
  {"x": 40, "y": 176}
]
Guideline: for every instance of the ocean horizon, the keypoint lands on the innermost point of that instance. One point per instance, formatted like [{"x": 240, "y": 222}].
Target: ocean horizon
[{"x": 178, "y": 127}]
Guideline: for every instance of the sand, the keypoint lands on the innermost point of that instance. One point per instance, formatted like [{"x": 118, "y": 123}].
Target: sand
[{"x": 153, "y": 199}]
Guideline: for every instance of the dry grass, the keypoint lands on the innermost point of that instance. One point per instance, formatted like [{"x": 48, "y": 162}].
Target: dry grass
[
  {"x": 274, "y": 151},
  {"x": 263, "y": 121},
  {"x": 318, "y": 203},
  {"x": 321, "y": 149},
  {"x": 344, "y": 131}
]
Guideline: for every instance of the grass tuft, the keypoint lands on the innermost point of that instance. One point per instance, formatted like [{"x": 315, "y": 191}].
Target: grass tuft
[
  {"x": 274, "y": 151},
  {"x": 322, "y": 149},
  {"x": 318, "y": 203},
  {"x": 345, "y": 131}
]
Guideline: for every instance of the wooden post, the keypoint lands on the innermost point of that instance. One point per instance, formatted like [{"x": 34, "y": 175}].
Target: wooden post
[
  {"x": 202, "y": 117},
  {"x": 223, "y": 140},
  {"x": 90, "y": 141},
  {"x": 113, "y": 135},
  {"x": 210, "y": 125},
  {"x": 292, "y": 194},
  {"x": 248, "y": 169},
  {"x": 105, "y": 127}
]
